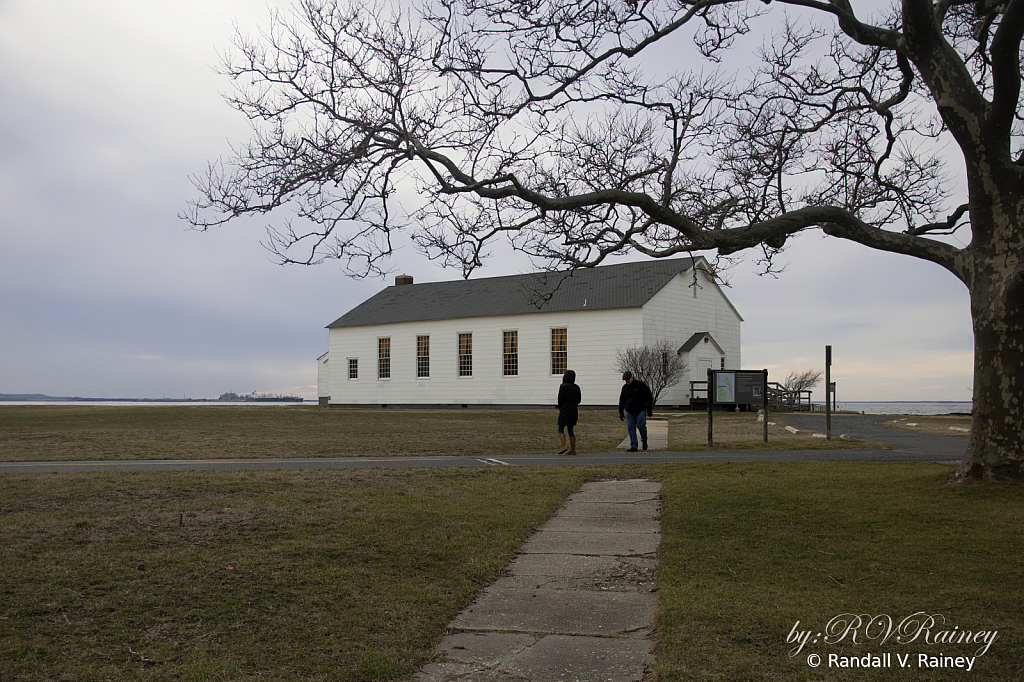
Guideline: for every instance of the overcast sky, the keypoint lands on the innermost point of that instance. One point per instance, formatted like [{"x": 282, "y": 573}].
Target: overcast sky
[{"x": 107, "y": 108}]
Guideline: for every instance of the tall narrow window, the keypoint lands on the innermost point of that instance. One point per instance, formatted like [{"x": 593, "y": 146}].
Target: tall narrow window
[
  {"x": 559, "y": 351},
  {"x": 422, "y": 357},
  {"x": 384, "y": 358},
  {"x": 465, "y": 355},
  {"x": 353, "y": 368},
  {"x": 510, "y": 354}
]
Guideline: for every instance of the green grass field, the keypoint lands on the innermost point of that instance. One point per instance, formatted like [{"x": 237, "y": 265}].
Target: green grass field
[
  {"x": 749, "y": 550},
  {"x": 353, "y": 575}
]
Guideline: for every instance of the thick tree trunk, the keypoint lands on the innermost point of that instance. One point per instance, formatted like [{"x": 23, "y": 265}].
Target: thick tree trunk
[
  {"x": 996, "y": 447},
  {"x": 996, "y": 283}
]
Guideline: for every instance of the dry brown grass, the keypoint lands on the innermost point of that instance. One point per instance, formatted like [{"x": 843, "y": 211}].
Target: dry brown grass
[
  {"x": 63, "y": 433},
  {"x": 312, "y": 575},
  {"x": 688, "y": 431},
  {"x": 56, "y": 433},
  {"x": 349, "y": 576}
]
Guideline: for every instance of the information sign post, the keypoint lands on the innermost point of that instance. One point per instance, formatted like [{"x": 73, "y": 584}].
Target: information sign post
[
  {"x": 737, "y": 387},
  {"x": 764, "y": 407},
  {"x": 828, "y": 398},
  {"x": 711, "y": 400}
]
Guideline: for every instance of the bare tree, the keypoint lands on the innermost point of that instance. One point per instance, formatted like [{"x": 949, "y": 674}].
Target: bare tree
[
  {"x": 581, "y": 130},
  {"x": 795, "y": 384},
  {"x": 802, "y": 381},
  {"x": 657, "y": 365}
]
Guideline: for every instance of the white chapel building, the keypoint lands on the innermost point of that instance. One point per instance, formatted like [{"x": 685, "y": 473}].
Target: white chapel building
[{"x": 507, "y": 340}]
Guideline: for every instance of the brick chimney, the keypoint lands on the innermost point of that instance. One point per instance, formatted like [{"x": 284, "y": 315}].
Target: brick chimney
[{"x": 403, "y": 279}]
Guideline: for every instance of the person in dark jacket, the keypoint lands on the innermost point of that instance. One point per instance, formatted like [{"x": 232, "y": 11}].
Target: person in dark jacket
[
  {"x": 569, "y": 398},
  {"x": 635, "y": 404}
]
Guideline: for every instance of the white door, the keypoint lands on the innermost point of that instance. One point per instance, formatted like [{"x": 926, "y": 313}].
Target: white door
[{"x": 703, "y": 365}]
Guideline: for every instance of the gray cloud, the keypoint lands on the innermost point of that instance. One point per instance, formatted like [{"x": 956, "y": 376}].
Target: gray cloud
[{"x": 109, "y": 107}]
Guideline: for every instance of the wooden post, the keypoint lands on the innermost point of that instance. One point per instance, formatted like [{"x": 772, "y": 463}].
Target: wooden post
[
  {"x": 764, "y": 400},
  {"x": 711, "y": 441},
  {"x": 828, "y": 387}
]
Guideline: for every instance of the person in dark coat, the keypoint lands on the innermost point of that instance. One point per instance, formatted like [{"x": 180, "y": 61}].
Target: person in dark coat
[
  {"x": 569, "y": 398},
  {"x": 636, "y": 403}
]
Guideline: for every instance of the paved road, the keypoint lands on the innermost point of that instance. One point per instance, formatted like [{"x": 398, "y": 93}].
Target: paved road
[{"x": 907, "y": 447}]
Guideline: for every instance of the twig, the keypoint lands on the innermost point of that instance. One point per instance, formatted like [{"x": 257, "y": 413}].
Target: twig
[
  {"x": 149, "y": 661},
  {"x": 730, "y": 569},
  {"x": 945, "y": 608},
  {"x": 829, "y": 577}
]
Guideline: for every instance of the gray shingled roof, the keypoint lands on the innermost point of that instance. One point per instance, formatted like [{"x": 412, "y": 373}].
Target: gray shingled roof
[
  {"x": 692, "y": 342},
  {"x": 626, "y": 285}
]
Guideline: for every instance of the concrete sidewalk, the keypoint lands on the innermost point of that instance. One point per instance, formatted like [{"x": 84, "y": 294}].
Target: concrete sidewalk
[
  {"x": 578, "y": 602},
  {"x": 657, "y": 436}
]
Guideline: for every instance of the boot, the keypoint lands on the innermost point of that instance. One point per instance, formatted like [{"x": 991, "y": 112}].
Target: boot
[
  {"x": 572, "y": 445},
  {"x": 561, "y": 439}
]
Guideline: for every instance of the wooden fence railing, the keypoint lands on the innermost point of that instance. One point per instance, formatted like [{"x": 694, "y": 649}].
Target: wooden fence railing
[{"x": 778, "y": 397}]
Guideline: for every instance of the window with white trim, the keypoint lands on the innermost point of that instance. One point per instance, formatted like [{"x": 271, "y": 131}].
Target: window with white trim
[
  {"x": 466, "y": 355},
  {"x": 510, "y": 353},
  {"x": 422, "y": 357},
  {"x": 384, "y": 358},
  {"x": 559, "y": 350}
]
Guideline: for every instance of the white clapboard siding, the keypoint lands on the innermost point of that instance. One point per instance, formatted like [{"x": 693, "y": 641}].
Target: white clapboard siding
[
  {"x": 677, "y": 311},
  {"x": 592, "y": 339},
  {"x": 323, "y": 377},
  {"x": 683, "y": 308}
]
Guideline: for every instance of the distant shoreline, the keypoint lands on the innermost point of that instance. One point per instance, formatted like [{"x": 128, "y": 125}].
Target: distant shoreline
[
  {"x": 35, "y": 397},
  {"x": 38, "y": 397},
  {"x": 865, "y": 407},
  {"x": 911, "y": 402}
]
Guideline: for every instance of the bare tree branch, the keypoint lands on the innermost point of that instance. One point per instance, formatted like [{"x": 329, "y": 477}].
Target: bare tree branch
[
  {"x": 348, "y": 105},
  {"x": 658, "y": 365},
  {"x": 797, "y": 381},
  {"x": 573, "y": 132}
]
